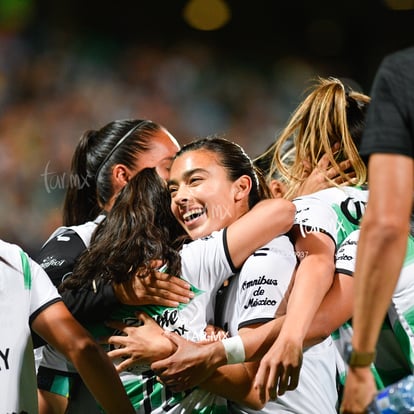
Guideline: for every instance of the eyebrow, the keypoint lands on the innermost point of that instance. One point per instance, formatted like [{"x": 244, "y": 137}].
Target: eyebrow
[{"x": 187, "y": 174}]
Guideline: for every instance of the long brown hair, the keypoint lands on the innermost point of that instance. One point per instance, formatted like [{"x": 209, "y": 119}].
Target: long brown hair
[{"x": 139, "y": 228}]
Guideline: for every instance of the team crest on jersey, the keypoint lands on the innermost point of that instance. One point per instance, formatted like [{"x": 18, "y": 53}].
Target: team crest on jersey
[{"x": 51, "y": 261}]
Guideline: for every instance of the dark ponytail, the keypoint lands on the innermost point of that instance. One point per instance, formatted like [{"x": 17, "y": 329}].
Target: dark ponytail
[
  {"x": 90, "y": 183},
  {"x": 80, "y": 203}
]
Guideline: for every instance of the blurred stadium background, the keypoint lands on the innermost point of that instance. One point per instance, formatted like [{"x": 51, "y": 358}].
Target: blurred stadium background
[{"x": 199, "y": 67}]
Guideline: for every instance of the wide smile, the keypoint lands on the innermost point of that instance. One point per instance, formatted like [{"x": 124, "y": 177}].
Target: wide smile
[{"x": 190, "y": 217}]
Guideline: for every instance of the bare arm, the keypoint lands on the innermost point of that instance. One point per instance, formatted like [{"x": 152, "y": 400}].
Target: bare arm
[
  {"x": 381, "y": 250},
  {"x": 58, "y": 327},
  {"x": 266, "y": 220},
  {"x": 236, "y": 382},
  {"x": 280, "y": 367},
  {"x": 148, "y": 343},
  {"x": 336, "y": 309},
  {"x": 233, "y": 382},
  {"x": 382, "y": 244},
  {"x": 313, "y": 279},
  {"x": 204, "y": 364}
]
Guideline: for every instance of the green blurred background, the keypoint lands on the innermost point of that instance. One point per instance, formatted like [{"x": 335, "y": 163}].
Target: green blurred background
[{"x": 198, "y": 67}]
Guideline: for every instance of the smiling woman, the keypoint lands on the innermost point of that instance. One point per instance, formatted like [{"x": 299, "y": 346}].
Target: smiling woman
[
  {"x": 203, "y": 197},
  {"x": 214, "y": 175},
  {"x": 141, "y": 221},
  {"x": 208, "y": 184}
]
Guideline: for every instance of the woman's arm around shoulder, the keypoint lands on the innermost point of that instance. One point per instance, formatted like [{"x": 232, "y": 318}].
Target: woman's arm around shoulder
[{"x": 265, "y": 221}]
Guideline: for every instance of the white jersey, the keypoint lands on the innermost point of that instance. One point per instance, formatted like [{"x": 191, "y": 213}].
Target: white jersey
[
  {"x": 205, "y": 265},
  {"x": 25, "y": 291},
  {"x": 253, "y": 297},
  {"x": 395, "y": 346},
  {"x": 336, "y": 211}
]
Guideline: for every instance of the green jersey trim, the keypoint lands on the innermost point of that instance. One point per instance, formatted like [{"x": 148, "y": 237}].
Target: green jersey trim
[{"x": 27, "y": 275}]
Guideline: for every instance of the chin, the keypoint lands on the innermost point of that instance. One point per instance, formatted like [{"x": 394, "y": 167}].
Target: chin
[
  {"x": 199, "y": 233},
  {"x": 196, "y": 235}
]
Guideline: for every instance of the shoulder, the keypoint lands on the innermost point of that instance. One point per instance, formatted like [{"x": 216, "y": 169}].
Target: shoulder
[
  {"x": 65, "y": 243},
  {"x": 6, "y": 247},
  {"x": 278, "y": 251},
  {"x": 85, "y": 230},
  {"x": 330, "y": 198},
  {"x": 60, "y": 253},
  {"x": 204, "y": 246},
  {"x": 277, "y": 245},
  {"x": 394, "y": 76},
  {"x": 11, "y": 253}
]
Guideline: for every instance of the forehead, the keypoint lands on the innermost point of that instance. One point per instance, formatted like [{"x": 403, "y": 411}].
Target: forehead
[
  {"x": 162, "y": 141},
  {"x": 196, "y": 160}
]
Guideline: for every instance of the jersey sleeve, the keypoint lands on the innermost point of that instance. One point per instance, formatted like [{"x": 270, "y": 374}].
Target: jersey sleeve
[
  {"x": 43, "y": 292},
  {"x": 346, "y": 255},
  {"x": 90, "y": 305},
  {"x": 264, "y": 282},
  {"x": 315, "y": 215},
  {"x": 59, "y": 254}
]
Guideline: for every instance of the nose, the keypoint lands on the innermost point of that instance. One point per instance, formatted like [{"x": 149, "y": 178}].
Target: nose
[{"x": 182, "y": 195}]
